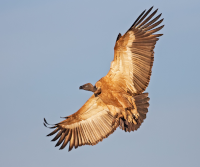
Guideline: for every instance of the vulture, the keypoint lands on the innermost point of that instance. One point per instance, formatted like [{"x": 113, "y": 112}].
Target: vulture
[{"x": 118, "y": 99}]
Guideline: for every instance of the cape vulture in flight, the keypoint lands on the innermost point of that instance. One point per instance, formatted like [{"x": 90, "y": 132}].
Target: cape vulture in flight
[{"x": 118, "y": 98}]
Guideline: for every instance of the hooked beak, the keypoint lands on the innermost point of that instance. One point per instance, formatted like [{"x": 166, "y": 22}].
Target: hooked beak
[{"x": 81, "y": 87}]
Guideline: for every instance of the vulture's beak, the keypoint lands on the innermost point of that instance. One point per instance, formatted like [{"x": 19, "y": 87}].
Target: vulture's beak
[{"x": 81, "y": 87}]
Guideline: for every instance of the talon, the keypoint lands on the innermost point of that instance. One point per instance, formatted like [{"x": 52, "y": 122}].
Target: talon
[
  {"x": 135, "y": 118},
  {"x": 127, "y": 115},
  {"x": 136, "y": 115}
]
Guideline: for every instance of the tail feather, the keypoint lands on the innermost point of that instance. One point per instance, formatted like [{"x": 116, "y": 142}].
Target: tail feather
[{"x": 142, "y": 103}]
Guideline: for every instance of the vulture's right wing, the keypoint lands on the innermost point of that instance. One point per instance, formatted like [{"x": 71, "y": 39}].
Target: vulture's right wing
[{"x": 89, "y": 125}]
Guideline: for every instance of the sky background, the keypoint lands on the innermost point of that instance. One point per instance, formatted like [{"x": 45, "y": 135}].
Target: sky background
[{"x": 49, "y": 48}]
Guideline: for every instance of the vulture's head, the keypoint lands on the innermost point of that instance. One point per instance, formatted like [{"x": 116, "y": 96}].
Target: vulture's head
[{"x": 88, "y": 87}]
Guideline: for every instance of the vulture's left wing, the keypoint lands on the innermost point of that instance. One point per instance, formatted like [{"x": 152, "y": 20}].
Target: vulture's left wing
[
  {"x": 134, "y": 54},
  {"x": 89, "y": 125}
]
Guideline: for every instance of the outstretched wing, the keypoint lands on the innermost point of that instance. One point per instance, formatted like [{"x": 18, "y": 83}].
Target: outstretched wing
[
  {"x": 134, "y": 55},
  {"x": 89, "y": 125}
]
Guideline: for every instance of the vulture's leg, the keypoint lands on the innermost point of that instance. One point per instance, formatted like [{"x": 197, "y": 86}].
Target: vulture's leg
[
  {"x": 134, "y": 110},
  {"x": 126, "y": 105},
  {"x": 134, "y": 107},
  {"x": 129, "y": 115}
]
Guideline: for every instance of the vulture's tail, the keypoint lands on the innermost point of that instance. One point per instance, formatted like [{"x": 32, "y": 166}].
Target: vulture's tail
[{"x": 142, "y": 103}]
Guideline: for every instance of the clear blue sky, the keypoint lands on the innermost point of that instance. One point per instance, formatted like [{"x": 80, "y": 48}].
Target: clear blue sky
[{"x": 49, "y": 48}]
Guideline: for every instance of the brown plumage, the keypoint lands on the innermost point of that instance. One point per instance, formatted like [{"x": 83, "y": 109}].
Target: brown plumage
[{"x": 118, "y": 98}]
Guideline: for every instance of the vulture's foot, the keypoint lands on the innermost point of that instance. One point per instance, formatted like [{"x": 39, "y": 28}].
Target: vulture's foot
[
  {"x": 135, "y": 113},
  {"x": 128, "y": 115},
  {"x": 131, "y": 115}
]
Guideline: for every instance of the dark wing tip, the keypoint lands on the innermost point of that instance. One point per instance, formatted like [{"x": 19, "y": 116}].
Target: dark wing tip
[
  {"x": 57, "y": 144},
  {"x": 45, "y": 124},
  {"x": 139, "y": 17},
  {"x": 61, "y": 148},
  {"x": 70, "y": 147},
  {"x": 45, "y": 121},
  {"x": 118, "y": 37},
  {"x": 151, "y": 8}
]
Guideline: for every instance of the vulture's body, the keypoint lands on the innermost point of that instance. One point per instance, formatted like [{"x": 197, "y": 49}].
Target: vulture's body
[{"x": 118, "y": 98}]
